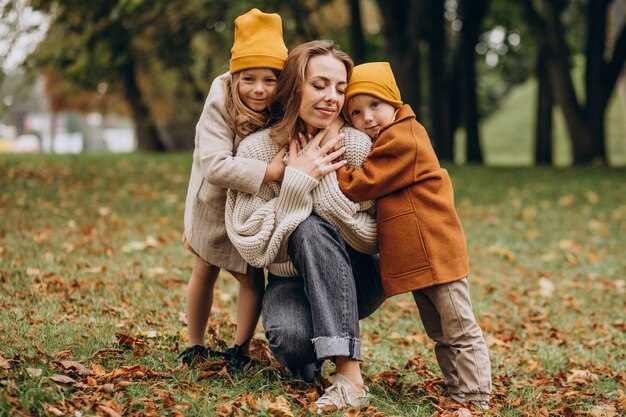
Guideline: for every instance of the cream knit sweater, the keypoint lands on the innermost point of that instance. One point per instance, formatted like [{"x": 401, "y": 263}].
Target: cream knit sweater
[{"x": 260, "y": 225}]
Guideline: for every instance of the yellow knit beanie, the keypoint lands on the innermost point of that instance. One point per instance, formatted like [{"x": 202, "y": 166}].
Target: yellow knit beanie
[
  {"x": 375, "y": 79},
  {"x": 258, "y": 42}
]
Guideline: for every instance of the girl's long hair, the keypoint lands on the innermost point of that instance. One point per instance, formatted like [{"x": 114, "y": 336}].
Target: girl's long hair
[
  {"x": 286, "y": 103},
  {"x": 245, "y": 120}
]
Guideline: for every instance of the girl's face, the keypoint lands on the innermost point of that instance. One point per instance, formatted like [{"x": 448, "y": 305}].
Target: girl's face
[
  {"x": 256, "y": 88},
  {"x": 323, "y": 92}
]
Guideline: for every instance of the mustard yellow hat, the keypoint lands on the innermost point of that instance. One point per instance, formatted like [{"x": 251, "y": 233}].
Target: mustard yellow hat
[
  {"x": 258, "y": 42},
  {"x": 375, "y": 79}
]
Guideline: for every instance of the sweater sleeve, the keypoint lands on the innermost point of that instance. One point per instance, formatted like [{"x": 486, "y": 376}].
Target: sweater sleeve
[
  {"x": 259, "y": 224},
  {"x": 215, "y": 144},
  {"x": 357, "y": 227},
  {"x": 355, "y": 221}
]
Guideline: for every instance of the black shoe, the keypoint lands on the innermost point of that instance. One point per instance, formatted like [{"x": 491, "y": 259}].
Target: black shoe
[
  {"x": 193, "y": 354},
  {"x": 237, "y": 359}
]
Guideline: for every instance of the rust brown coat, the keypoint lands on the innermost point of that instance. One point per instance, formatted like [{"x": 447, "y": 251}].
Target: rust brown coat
[{"x": 420, "y": 236}]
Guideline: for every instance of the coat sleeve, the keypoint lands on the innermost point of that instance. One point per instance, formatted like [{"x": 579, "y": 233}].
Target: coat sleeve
[
  {"x": 355, "y": 221},
  {"x": 388, "y": 168},
  {"x": 259, "y": 224},
  {"x": 215, "y": 144}
]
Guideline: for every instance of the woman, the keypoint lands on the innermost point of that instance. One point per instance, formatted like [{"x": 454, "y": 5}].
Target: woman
[{"x": 311, "y": 238}]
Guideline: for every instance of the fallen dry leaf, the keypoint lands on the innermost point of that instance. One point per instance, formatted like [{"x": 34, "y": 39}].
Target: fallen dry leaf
[
  {"x": 62, "y": 382},
  {"x": 463, "y": 412},
  {"x": 223, "y": 409},
  {"x": 95, "y": 269},
  {"x": 34, "y": 372},
  {"x": 62, "y": 379},
  {"x": 74, "y": 367},
  {"x": 62, "y": 354},
  {"x": 4, "y": 364},
  {"x": 581, "y": 376},
  {"x": 98, "y": 370},
  {"x": 50, "y": 409},
  {"x": 279, "y": 408},
  {"x": 208, "y": 374},
  {"x": 107, "y": 351},
  {"x": 603, "y": 410},
  {"x": 138, "y": 346},
  {"x": 546, "y": 288},
  {"x": 110, "y": 412},
  {"x": 31, "y": 272}
]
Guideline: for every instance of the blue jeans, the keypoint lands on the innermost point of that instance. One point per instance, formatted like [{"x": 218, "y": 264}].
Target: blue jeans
[{"x": 315, "y": 316}]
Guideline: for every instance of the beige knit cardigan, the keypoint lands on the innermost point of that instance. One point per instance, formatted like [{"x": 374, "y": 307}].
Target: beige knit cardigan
[
  {"x": 216, "y": 168},
  {"x": 259, "y": 224}
]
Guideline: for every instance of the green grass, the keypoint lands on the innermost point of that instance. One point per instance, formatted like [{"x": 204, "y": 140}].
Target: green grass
[
  {"x": 90, "y": 247},
  {"x": 508, "y": 134}
]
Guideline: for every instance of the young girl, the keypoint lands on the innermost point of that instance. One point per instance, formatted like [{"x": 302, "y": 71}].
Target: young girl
[
  {"x": 235, "y": 107},
  {"x": 421, "y": 240}
]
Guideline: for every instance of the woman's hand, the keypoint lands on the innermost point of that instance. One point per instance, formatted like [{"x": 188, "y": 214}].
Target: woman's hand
[
  {"x": 276, "y": 169},
  {"x": 316, "y": 161}
]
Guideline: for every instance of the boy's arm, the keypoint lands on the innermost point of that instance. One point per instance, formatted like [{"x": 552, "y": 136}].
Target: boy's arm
[{"x": 388, "y": 168}]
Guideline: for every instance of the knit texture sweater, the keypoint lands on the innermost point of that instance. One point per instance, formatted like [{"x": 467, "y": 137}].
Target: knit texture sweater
[{"x": 259, "y": 225}]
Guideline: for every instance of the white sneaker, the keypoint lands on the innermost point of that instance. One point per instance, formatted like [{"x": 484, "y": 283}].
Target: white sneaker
[
  {"x": 343, "y": 393},
  {"x": 479, "y": 404}
]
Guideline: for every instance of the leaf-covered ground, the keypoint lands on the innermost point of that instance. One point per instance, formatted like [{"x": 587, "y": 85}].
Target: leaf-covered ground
[{"x": 93, "y": 281}]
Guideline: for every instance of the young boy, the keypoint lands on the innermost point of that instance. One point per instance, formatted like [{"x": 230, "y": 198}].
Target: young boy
[{"x": 421, "y": 240}]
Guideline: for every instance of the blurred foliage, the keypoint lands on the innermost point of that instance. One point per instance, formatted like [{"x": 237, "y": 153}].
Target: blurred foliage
[{"x": 175, "y": 48}]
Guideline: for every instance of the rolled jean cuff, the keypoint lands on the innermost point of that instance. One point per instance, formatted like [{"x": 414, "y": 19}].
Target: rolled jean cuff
[
  {"x": 476, "y": 397},
  {"x": 328, "y": 347}
]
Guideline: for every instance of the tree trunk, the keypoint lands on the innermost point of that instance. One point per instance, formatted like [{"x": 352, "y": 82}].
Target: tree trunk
[
  {"x": 54, "y": 117},
  {"x": 472, "y": 13},
  {"x": 543, "y": 123},
  {"x": 440, "y": 126},
  {"x": 357, "y": 40},
  {"x": 616, "y": 21},
  {"x": 550, "y": 35},
  {"x": 559, "y": 69},
  {"x": 452, "y": 97},
  {"x": 300, "y": 12},
  {"x": 403, "y": 47},
  {"x": 595, "y": 82},
  {"x": 147, "y": 134}
]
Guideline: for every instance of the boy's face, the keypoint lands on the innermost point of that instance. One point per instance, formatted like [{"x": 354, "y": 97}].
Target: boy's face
[{"x": 369, "y": 114}]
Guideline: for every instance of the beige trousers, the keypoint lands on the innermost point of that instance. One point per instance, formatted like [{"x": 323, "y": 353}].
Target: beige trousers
[{"x": 446, "y": 312}]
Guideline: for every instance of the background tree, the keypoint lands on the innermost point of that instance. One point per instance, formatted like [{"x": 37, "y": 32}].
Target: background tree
[
  {"x": 441, "y": 90},
  {"x": 471, "y": 14},
  {"x": 403, "y": 29},
  {"x": 545, "y": 105},
  {"x": 585, "y": 119},
  {"x": 454, "y": 60},
  {"x": 357, "y": 39},
  {"x": 142, "y": 49}
]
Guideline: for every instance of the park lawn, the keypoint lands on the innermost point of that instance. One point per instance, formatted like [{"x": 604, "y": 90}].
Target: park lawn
[
  {"x": 508, "y": 134},
  {"x": 93, "y": 284}
]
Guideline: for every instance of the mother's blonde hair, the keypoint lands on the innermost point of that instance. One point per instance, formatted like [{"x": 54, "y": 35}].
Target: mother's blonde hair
[{"x": 286, "y": 102}]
